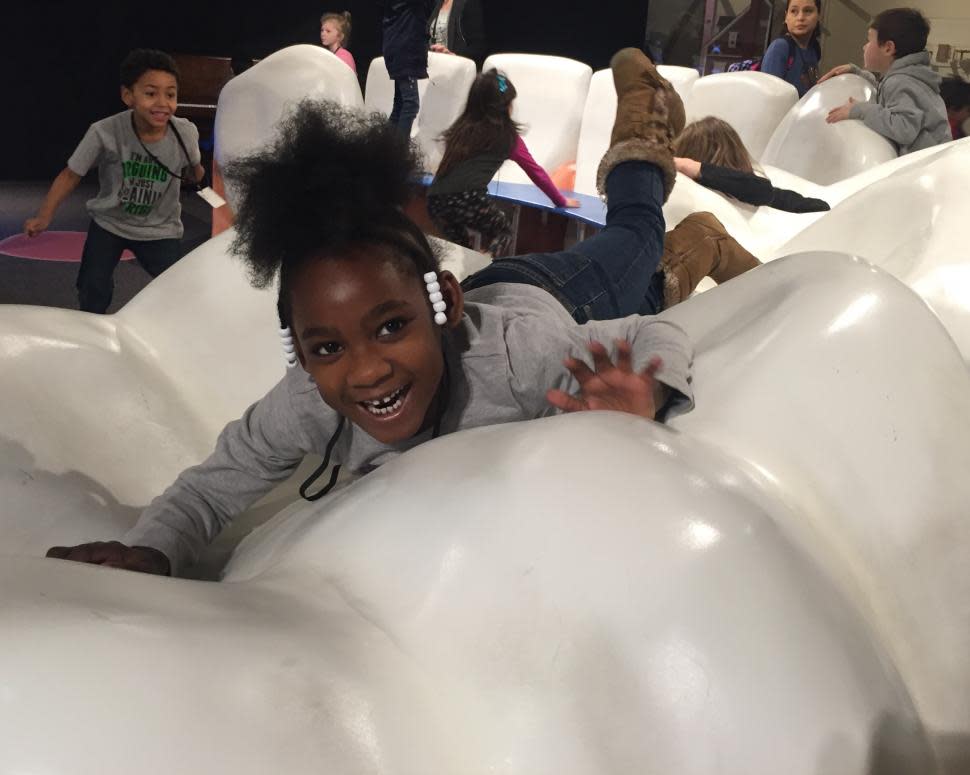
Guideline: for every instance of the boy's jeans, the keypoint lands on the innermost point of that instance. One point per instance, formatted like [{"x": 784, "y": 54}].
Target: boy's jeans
[
  {"x": 102, "y": 251},
  {"x": 612, "y": 274}
]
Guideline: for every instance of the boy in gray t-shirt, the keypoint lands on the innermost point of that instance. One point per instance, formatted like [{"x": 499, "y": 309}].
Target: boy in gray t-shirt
[{"x": 142, "y": 155}]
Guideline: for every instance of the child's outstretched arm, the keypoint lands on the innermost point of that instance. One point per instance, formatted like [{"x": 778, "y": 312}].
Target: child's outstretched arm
[
  {"x": 252, "y": 455},
  {"x": 62, "y": 186},
  {"x": 521, "y": 156},
  {"x": 636, "y": 364}
]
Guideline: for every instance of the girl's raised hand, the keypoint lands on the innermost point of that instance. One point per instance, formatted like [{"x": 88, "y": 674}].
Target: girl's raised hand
[{"x": 611, "y": 386}]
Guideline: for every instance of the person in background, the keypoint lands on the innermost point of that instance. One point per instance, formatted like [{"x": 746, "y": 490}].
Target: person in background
[
  {"x": 908, "y": 110},
  {"x": 142, "y": 155},
  {"x": 335, "y": 36},
  {"x": 405, "y": 48},
  {"x": 457, "y": 27},
  {"x": 956, "y": 97},
  {"x": 476, "y": 145},
  {"x": 794, "y": 57},
  {"x": 711, "y": 152}
]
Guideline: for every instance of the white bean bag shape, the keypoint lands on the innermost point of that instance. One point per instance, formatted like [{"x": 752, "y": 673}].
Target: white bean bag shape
[
  {"x": 250, "y": 105},
  {"x": 754, "y": 103},
  {"x": 823, "y": 153},
  {"x": 443, "y": 95},
  {"x": 607, "y": 595},
  {"x": 550, "y": 102},
  {"x": 913, "y": 224},
  {"x": 599, "y": 114}
]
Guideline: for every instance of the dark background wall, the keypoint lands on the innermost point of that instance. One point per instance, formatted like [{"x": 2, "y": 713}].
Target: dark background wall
[{"x": 61, "y": 58}]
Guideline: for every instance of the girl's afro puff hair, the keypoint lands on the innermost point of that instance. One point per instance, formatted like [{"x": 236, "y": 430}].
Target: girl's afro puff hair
[{"x": 332, "y": 177}]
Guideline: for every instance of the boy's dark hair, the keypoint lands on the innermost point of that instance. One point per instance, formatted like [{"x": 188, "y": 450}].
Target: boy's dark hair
[
  {"x": 141, "y": 60},
  {"x": 906, "y": 27},
  {"x": 955, "y": 93},
  {"x": 485, "y": 125},
  {"x": 332, "y": 180}
]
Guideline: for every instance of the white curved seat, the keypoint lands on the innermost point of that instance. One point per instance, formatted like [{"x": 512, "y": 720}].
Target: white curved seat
[
  {"x": 551, "y": 97},
  {"x": 805, "y": 145},
  {"x": 250, "y": 105},
  {"x": 712, "y": 583},
  {"x": 443, "y": 95},
  {"x": 912, "y": 224},
  {"x": 733, "y": 97},
  {"x": 595, "y": 128},
  {"x": 681, "y": 78}
]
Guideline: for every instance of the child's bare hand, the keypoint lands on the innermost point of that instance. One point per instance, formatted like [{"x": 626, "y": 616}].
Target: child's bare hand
[
  {"x": 840, "y": 113},
  {"x": 837, "y": 70},
  {"x": 34, "y": 226},
  {"x": 688, "y": 167},
  {"x": 115, "y": 555},
  {"x": 611, "y": 386},
  {"x": 571, "y": 202}
]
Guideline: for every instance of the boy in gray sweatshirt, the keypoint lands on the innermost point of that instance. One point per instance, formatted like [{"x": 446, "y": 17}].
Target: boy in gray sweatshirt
[{"x": 908, "y": 110}]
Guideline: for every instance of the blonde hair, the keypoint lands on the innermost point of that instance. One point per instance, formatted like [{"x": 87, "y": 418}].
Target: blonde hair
[
  {"x": 712, "y": 140},
  {"x": 342, "y": 20}
]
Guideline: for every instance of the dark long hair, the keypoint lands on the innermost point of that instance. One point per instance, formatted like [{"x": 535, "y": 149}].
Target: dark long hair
[{"x": 485, "y": 125}]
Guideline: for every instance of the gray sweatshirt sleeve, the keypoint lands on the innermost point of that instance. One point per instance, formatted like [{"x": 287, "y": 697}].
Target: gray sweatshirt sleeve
[
  {"x": 897, "y": 116},
  {"x": 537, "y": 349},
  {"x": 252, "y": 454},
  {"x": 871, "y": 77}
]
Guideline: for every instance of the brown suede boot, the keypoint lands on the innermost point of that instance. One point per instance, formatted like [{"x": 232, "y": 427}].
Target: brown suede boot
[
  {"x": 649, "y": 115},
  {"x": 697, "y": 247}
]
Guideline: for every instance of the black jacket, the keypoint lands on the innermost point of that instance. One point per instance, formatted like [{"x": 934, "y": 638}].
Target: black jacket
[
  {"x": 756, "y": 190},
  {"x": 406, "y": 37},
  {"x": 466, "y": 29}
]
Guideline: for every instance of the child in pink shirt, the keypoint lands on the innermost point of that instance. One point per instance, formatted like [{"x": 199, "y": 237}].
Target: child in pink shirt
[
  {"x": 335, "y": 34},
  {"x": 476, "y": 145}
]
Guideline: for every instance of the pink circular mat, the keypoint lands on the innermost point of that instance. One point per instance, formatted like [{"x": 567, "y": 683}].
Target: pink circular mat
[{"x": 49, "y": 246}]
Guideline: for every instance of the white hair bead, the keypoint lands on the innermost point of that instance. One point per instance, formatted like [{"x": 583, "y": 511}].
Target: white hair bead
[
  {"x": 289, "y": 347},
  {"x": 435, "y": 297}
]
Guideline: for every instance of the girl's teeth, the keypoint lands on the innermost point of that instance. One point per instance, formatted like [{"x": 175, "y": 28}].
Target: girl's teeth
[{"x": 381, "y": 407}]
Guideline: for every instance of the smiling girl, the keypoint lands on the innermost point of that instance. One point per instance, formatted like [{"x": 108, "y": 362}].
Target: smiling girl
[{"x": 389, "y": 351}]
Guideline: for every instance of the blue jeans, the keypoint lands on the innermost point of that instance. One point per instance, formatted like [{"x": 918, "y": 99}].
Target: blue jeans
[
  {"x": 612, "y": 274},
  {"x": 102, "y": 251},
  {"x": 406, "y": 104}
]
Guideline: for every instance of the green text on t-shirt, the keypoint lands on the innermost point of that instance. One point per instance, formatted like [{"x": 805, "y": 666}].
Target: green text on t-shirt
[{"x": 142, "y": 185}]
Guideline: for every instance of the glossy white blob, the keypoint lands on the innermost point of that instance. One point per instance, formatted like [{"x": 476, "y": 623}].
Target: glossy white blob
[{"x": 442, "y": 96}]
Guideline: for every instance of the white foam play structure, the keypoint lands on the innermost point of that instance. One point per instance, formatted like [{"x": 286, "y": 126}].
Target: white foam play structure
[
  {"x": 442, "y": 99},
  {"x": 776, "y": 581}
]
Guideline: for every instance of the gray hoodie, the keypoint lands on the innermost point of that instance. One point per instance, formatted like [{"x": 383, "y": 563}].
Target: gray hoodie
[
  {"x": 908, "y": 109},
  {"x": 501, "y": 361}
]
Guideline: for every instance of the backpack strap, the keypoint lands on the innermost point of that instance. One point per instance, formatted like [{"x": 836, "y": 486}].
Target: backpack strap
[{"x": 790, "y": 62}]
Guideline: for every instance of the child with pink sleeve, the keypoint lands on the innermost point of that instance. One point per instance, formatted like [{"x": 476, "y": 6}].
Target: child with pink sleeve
[{"x": 476, "y": 145}]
